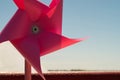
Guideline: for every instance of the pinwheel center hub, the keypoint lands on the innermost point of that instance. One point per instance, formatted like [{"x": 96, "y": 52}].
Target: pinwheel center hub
[{"x": 35, "y": 29}]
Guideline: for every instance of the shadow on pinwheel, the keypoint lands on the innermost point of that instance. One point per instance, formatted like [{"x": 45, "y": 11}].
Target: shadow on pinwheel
[{"x": 37, "y": 30}]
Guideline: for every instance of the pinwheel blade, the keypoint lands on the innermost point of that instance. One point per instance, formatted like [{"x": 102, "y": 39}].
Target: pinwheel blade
[
  {"x": 35, "y": 9},
  {"x": 17, "y": 27},
  {"x": 50, "y": 42},
  {"x": 29, "y": 48},
  {"x": 46, "y": 24},
  {"x": 54, "y": 3},
  {"x": 67, "y": 42},
  {"x": 55, "y": 14},
  {"x": 20, "y": 4}
]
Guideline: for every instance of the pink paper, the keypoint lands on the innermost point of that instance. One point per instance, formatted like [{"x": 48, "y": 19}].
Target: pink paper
[{"x": 36, "y": 30}]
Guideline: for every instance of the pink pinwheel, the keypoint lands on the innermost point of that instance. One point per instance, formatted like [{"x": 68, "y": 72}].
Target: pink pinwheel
[{"x": 36, "y": 30}]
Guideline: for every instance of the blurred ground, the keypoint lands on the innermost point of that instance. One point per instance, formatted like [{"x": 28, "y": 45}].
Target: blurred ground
[{"x": 65, "y": 76}]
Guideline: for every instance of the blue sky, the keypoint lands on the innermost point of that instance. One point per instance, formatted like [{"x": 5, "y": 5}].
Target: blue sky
[{"x": 98, "y": 19}]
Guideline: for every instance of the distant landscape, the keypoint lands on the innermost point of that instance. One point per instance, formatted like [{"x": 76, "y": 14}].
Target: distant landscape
[{"x": 66, "y": 70}]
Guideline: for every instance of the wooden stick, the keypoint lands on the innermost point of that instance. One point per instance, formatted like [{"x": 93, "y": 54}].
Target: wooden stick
[{"x": 27, "y": 71}]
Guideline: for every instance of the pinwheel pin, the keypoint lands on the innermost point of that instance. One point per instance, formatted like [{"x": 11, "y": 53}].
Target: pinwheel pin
[{"x": 36, "y": 30}]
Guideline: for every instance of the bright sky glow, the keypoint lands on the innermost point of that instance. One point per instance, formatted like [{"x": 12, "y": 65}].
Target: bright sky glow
[{"x": 99, "y": 19}]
